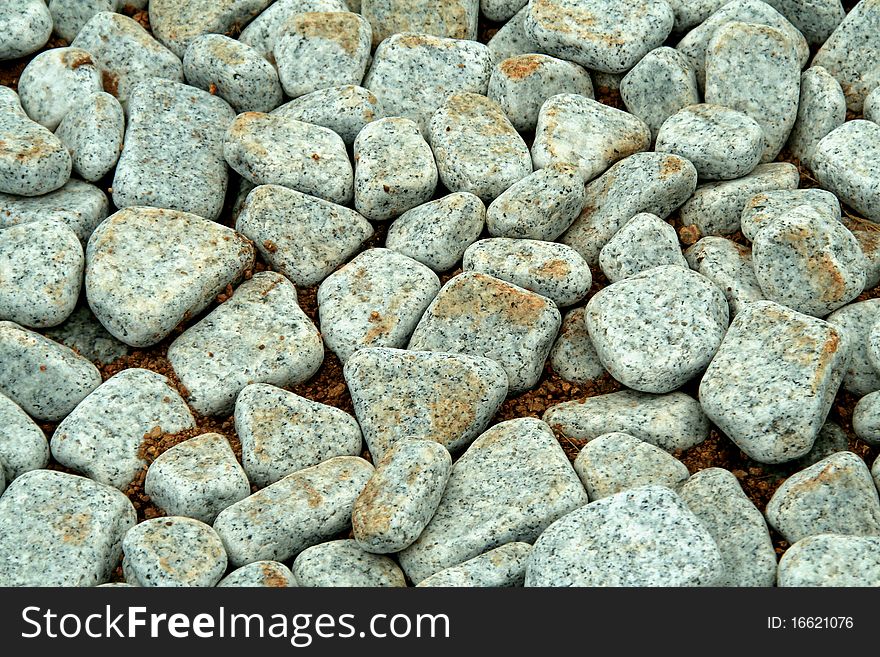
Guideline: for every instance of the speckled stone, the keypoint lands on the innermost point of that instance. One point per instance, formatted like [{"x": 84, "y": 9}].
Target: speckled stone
[
  {"x": 834, "y": 496},
  {"x": 234, "y": 71},
  {"x": 871, "y": 110},
  {"x": 866, "y": 418},
  {"x": 262, "y": 33},
  {"x": 102, "y": 437},
  {"x": 260, "y": 574},
  {"x": 831, "y": 439},
  {"x": 716, "y": 207},
  {"x": 852, "y": 52},
  {"x": 197, "y": 478},
  {"x": 456, "y": 19},
  {"x": 644, "y": 242},
  {"x": 413, "y": 74},
  {"x": 177, "y": 23},
  {"x": 303, "y": 237},
  {"x": 875, "y": 472},
  {"x": 480, "y": 315},
  {"x": 408, "y": 395},
  {"x": 33, "y": 160},
  {"x": 644, "y": 182},
  {"x": 573, "y": 356},
  {"x": 23, "y": 446},
  {"x": 42, "y": 376},
  {"x": 375, "y": 300},
  {"x": 272, "y": 149},
  {"x": 756, "y": 12},
  {"x": 555, "y": 271},
  {"x": 511, "y": 38},
  {"x": 603, "y": 35},
  {"x": 437, "y": 233},
  {"x": 857, "y": 319},
  {"x": 831, "y": 560},
  {"x": 583, "y": 132},
  {"x": 27, "y": 25},
  {"x": 821, "y": 109},
  {"x": 126, "y": 53},
  {"x": 41, "y": 267},
  {"x": 282, "y": 433},
  {"x": 394, "y": 169},
  {"x": 773, "y": 380},
  {"x": 657, "y": 330},
  {"x": 342, "y": 563},
  {"x": 83, "y": 333},
  {"x": 78, "y": 204},
  {"x": 345, "y": 110},
  {"x": 541, "y": 206},
  {"x": 501, "y": 10},
  {"x": 616, "y": 462},
  {"x": 729, "y": 266},
  {"x": 476, "y": 148},
  {"x": 511, "y": 483},
  {"x": 847, "y": 162},
  {"x": 521, "y": 84},
  {"x": 673, "y": 421},
  {"x": 401, "y": 497},
  {"x": 173, "y": 152},
  {"x": 766, "y": 207},
  {"x": 173, "y": 551},
  {"x": 69, "y": 16},
  {"x": 641, "y": 537},
  {"x": 148, "y": 269},
  {"x": 689, "y": 13},
  {"x": 54, "y": 81},
  {"x": 661, "y": 84},
  {"x": 720, "y": 142},
  {"x": 503, "y": 567},
  {"x": 259, "y": 335},
  {"x": 739, "y": 529},
  {"x": 92, "y": 132},
  {"x": 816, "y": 20},
  {"x": 302, "y": 509},
  {"x": 57, "y": 529},
  {"x": 869, "y": 241},
  {"x": 808, "y": 261}
]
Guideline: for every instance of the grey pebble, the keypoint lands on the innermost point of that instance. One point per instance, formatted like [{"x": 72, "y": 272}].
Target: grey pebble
[
  {"x": 641, "y": 537},
  {"x": 644, "y": 242},
  {"x": 437, "y": 233},
  {"x": 583, "y": 132},
  {"x": 282, "y": 433},
  {"x": 661, "y": 84},
  {"x": 871, "y": 110},
  {"x": 375, "y": 300},
  {"x": 816, "y": 21},
  {"x": 511, "y": 483},
  {"x": 868, "y": 237},
  {"x": 260, "y": 574},
  {"x": 689, "y": 13},
  {"x": 573, "y": 356},
  {"x": 866, "y": 418},
  {"x": 394, "y": 169},
  {"x": 42, "y": 376},
  {"x": 69, "y": 16},
  {"x": 456, "y": 19},
  {"x": 103, "y": 435},
  {"x": 27, "y": 25},
  {"x": 345, "y": 110},
  {"x": 766, "y": 207},
  {"x": 57, "y": 529},
  {"x": 739, "y": 529},
  {"x": 401, "y": 497},
  {"x": 831, "y": 560},
  {"x": 41, "y": 268},
  {"x": 302, "y": 509},
  {"x": 480, "y": 315},
  {"x": 555, "y": 271},
  {"x": 502, "y": 567},
  {"x": 834, "y": 496},
  {"x": 197, "y": 478},
  {"x": 93, "y": 132},
  {"x": 234, "y": 71},
  {"x": 768, "y": 401},
  {"x": 262, "y": 32},
  {"x": 173, "y": 152},
  {"x": 821, "y": 109},
  {"x": 729, "y": 266},
  {"x": 173, "y": 551},
  {"x": 673, "y": 421},
  {"x": 511, "y": 38},
  {"x": 385, "y": 384},
  {"x": 857, "y": 319},
  {"x": 83, "y": 333},
  {"x": 615, "y": 462},
  {"x": 147, "y": 269},
  {"x": 657, "y": 330},
  {"x": 342, "y": 563},
  {"x": 54, "y": 81},
  {"x": 501, "y": 10},
  {"x": 23, "y": 447},
  {"x": 847, "y": 162},
  {"x": 303, "y": 237}
]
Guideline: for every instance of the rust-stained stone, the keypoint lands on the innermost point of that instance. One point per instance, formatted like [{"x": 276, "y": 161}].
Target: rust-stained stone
[
  {"x": 821, "y": 109},
  {"x": 456, "y": 19},
  {"x": 263, "y": 32},
  {"x": 766, "y": 207},
  {"x": 573, "y": 356},
  {"x": 23, "y": 446},
  {"x": 27, "y": 25},
  {"x": 504, "y": 566}
]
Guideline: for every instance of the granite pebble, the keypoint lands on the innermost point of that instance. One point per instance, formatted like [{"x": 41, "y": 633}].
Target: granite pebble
[
  {"x": 643, "y": 243},
  {"x": 766, "y": 207},
  {"x": 847, "y": 162},
  {"x": 343, "y": 563},
  {"x": 511, "y": 38},
  {"x": 83, "y": 333},
  {"x": 821, "y": 109},
  {"x": 92, "y": 132},
  {"x": 729, "y": 266},
  {"x": 866, "y": 418},
  {"x": 23, "y": 446},
  {"x": 831, "y": 560},
  {"x": 345, "y": 110},
  {"x": 260, "y": 574},
  {"x": 573, "y": 356},
  {"x": 263, "y": 32},
  {"x": 456, "y": 19},
  {"x": 78, "y": 204},
  {"x": 857, "y": 319},
  {"x": 27, "y": 25},
  {"x": 69, "y": 16},
  {"x": 502, "y": 567}
]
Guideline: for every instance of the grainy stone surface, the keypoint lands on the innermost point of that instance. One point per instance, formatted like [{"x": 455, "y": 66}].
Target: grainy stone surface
[
  {"x": 816, "y": 20},
  {"x": 866, "y": 418},
  {"x": 772, "y": 382},
  {"x": 83, "y": 333},
  {"x": 573, "y": 356},
  {"x": 23, "y": 446},
  {"x": 92, "y": 132},
  {"x": 831, "y": 439},
  {"x": 729, "y": 266},
  {"x": 343, "y": 563},
  {"x": 847, "y": 162},
  {"x": 502, "y": 567},
  {"x": 821, "y": 109},
  {"x": 511, "y": 38},
  {"x": 644, "y": 242},
  {"x": 857, "y": 320},
  {"x": 766, "y": 207},
  {"x": 260, "y": 574},
  {"x": 263, "y": 32},
  {"x": 69, "y": 16},
  {"x": 27, "y": 25},
  {"x": 871, "y": 109},
  {"x": 345, "y": 110},
  {"x": 456, "y": 19},
  {"x": 817, "y": 561}
]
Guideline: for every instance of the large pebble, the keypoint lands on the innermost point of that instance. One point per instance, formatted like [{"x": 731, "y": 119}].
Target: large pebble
[
  {"x": 263, "y": 32},
  {"x": 342, "y": 563},
  {"x": 821, "y": 109},
  {"x": 644, "y": 242},
  {"x": 54, "y": 81},
  {"x": 857, "y": 319},
  {"x": 83, "y": 333},
  {"x": 58, "y": 529},
  {"x": 729, "y": 266},
  {"x": 773, "y": 380},
  {"x": 78, "y": 204},
  {"x": 502, "y": 567},
  {"x": 410, "y": 395},
  {"x": 831, "y": 560},
  {"x": 573, "y": 356},
  {"x": 148, "y": 269},
  {"x": 69, "y": 16},
  {"x": 260, "y": 574},
  {"x": 345, "y": 110},
  {"x": 23, "y": 446},
  {"x": 847, "y": 162},
  {"x": 766, "y": 207},
  {"x": 92, "y": 132},
  {"x": 456, "y": 19}
]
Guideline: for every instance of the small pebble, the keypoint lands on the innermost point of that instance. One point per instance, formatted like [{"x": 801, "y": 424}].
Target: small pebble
[
  {"x": 857, "y": 319},
  {"x": 644, "y": 242},
  {"x": 766, "y": 207},
  {"x": 866, "y": 418},
  {"x": 847, "y": 162},
  {"x": 511, "y": 38},
  {"x": 831, "y": 560},
  {"x": 456, "y": 19},
  {"x": 831, "y": 439},
  {"x": 263, "y": 32},
  {"x": 503, "y": 567},
  {"x": 27, "y": 25},
  {"x": 260, "y": 574},
  {"x": 345, "y": 110},
  {"x": 871, "y": 109},
  {"x": 83, "y": 333},
  {"x": 729, "y": 266},
  {"x": 69, "y": 16},
  {"x": 23, "y": 447},
  {"x": 573, "y": 356},
  {"x": 93, "y": 132},
  {"x": 821, "y": 109},
  {"x": 342, "y": 563}
]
